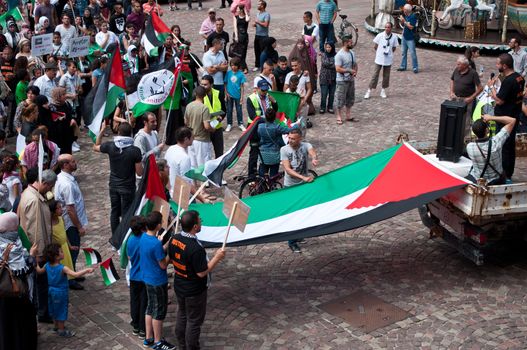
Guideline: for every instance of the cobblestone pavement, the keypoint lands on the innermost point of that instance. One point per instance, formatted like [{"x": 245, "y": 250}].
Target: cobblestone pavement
[{"x": 265, "y": 297}]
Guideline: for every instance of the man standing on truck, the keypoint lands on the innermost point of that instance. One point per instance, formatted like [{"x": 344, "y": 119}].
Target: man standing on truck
[
  {"x": 508, "y": 103},
  {"x": 485, "y": 153}
]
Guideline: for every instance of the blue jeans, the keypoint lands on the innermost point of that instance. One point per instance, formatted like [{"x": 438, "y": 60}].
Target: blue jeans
[
  {"x": 408, "y": 44},
  {"x": 328, "y": 94},
  {"x": 326, "y": 33},
  {"x": 271, "y": 169},
  {"x": 231, "y": 104}
]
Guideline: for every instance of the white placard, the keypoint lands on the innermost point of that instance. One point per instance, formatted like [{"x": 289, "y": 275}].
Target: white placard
[
  {"x": 42, "y": 44},
  {"x": 79, "y": 46}
]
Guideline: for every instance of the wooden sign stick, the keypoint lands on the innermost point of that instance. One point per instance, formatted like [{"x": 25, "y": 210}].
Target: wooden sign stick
[
  {"x": 233, "y": 211},
  {"x": 179, "y": 209},
  {"x": 198, "y": 191}
]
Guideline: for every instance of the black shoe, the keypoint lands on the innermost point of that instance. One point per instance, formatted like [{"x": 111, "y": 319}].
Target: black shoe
[
  {"x": 295, "y": 248},
  {"x": 222, "y": 6},
  {"x": 80, "y": 279},
  {"x": 322, "y": 111},
  {"x": 45, "y": 319},
  {"x": 331, "y": 111},
  {"x": 401, "y": 69},
  {"x": 76, "y": 285}
]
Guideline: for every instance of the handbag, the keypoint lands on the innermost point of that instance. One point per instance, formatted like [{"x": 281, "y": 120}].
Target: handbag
[
  {"x": 235, "y": 50},
  {"x": 10, "y": 285}
]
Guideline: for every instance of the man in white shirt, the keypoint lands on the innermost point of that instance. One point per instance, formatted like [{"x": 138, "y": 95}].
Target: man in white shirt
[
  {"x": 216, "y": 65},
  {"x": 47, "y": 82},
  {"x": 519, "y": 56},
  {"x": 146, "y": 139},
  {"x": 68, "y": 193},
  {"x": 66, "y": 30},
  {"x": 304, "y": 84},
  {"x": 385, "y": 44},
  {"x": 106, "y": 37},
  {"x": 178, "y": 159}
]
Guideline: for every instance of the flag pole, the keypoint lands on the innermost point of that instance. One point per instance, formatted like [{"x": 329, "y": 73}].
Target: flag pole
[
  {"x": 233, "y": 211},
  {"x": 170, "y": 107},
  {"x": 179, "y": 41},
  {"x": 178, "y": 209}
]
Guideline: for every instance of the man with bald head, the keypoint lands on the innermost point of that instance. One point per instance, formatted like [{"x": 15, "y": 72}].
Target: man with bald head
[{"x": 68, "y": 193}]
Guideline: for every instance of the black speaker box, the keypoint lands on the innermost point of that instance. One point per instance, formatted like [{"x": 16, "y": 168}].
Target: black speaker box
[{"x": 451, "y": 131}]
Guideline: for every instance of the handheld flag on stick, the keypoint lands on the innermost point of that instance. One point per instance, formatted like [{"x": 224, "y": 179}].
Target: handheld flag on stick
[
  {"x": 156, "y": 31},
  {"x": 236, "y": 211},
  {"x": 92, "y": 256},
  {"x": 109, "y": 273},
  {"x": 103, "y": 98},
  {"x": 40, "y": 162}
]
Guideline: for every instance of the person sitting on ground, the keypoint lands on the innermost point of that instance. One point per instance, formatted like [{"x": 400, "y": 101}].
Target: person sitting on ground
[{"x": 485, "y": 165}]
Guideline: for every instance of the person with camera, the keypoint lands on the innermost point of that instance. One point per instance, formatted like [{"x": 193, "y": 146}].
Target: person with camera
[{"x": 385, "y": 44}]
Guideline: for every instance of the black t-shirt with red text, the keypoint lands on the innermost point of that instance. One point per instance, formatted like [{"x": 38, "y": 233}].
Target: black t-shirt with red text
[
  {"x": 511, "y": 92},
  {"x": 188, "y": 258}
]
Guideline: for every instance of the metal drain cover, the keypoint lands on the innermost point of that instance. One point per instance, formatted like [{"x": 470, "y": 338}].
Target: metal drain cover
[{"x": 364, "y": 311}]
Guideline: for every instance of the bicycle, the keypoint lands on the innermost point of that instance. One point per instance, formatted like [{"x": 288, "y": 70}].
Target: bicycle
[
  {"x": 256, "y": 184},
  {"x": 348, "y": 29}
]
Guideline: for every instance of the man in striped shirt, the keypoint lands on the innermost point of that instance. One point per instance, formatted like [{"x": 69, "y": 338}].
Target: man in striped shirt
[{"x": 326, "y": 13}]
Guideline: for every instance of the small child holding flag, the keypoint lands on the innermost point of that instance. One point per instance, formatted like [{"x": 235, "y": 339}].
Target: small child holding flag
[{"x": 58, "y": 297}]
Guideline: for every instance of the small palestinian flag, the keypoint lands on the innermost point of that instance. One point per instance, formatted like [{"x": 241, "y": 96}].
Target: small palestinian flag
[
  {"x": 92, "y": 256},
  {"x": 109, "y": 273},
  {"x": 156, "y": 31}
]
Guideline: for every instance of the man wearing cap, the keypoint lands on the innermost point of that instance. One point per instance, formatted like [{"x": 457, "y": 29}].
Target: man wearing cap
[
  {"x": 257, "y": 103},
  {"x": 47, "y": 82},
  {"x": 12, "y": 36},
  {"x": 208, "y": 26}
]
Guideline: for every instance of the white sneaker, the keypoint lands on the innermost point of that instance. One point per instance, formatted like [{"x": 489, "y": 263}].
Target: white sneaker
[
  {"x": 75, "y": 147},
  {"x": 229, "y": 128},
  {"x": 199, "y": 8},
  {"x": 256, "y": 69},
  {"x": 242, "y": 128},
  {"x": 383, "y": 93},
  {"x": 223, "y": 182},
  {"x": 367, "y": 95}
]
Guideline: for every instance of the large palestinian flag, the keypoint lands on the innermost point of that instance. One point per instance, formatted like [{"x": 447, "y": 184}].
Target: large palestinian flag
[
  {"x": 370, "y": 190},
  {"x": 103, "y": 98},
  {"x": 148, "y": 90},
  {"x": 156, "y": 31}
]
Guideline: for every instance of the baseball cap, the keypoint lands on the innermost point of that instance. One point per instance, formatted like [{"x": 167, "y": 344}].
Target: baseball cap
[{"x": 263, "y": 84}]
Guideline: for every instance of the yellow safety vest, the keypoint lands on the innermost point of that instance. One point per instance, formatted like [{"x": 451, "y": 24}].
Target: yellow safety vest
[
  {"x": 255, "y": 100},
  {"x": 215, "y": 106}
]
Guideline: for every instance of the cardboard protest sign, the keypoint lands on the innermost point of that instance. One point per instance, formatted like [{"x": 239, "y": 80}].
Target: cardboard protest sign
[
  {"x": 79, "y": 46},
  {"x": 241, "y": 212},
  {"x": 163, "y": 207},
  {"x": 42, "y": 44},
  {"x": 181, "y": 190}
]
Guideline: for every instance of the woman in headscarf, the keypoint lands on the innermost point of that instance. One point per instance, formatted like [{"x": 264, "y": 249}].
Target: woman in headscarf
[
  {"x": 12, "y": 35},
  {"x": 18, "y": 326},
  {"x": 269, "y": 52},
  {"x": 45, "y": 28},
  {"x": 25, "y": 50},
  {"x": 61, "y": 127},
  {"x": 301, "y": 52},
  {"x": 328, "y": 77}
]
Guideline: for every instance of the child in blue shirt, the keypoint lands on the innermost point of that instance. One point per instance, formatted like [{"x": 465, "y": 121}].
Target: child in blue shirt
[
  {"x": 58, "y": 286},
  {"x": 137, "y": 286},
  {"x": 234, "y": 82},
  {"x": 153, "y": 265}
]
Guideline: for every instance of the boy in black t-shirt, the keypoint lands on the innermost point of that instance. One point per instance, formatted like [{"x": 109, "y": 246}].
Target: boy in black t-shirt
[
  {"x": 280, "y": 72},
  {"x": 191, "y": 268}
]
